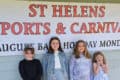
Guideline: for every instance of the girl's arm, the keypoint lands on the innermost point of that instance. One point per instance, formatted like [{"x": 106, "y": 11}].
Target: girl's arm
[
  {"x": 71, "y": 66},
  {"x": 95, "y": 68},
  {"x": 40, "y": 70},
  {"x": 22, "y": 72},
  {"x": 44, "y": 64},
  {"x": 67, "y": 66},
  {"x": 91, "y": 70}
]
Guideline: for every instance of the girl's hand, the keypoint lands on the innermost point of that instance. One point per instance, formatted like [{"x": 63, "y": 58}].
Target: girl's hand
[
  {"x": 96, "y": 68},
  {"x": 105, "y": 68}
]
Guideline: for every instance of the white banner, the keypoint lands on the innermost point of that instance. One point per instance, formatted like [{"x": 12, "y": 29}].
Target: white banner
[{"x": 34, "y": 23}]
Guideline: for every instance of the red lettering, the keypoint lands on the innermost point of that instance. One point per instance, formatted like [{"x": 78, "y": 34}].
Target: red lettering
[
  {"x": 33, "y": 8},
  {"x": 16, "y": 26},
  {"x": 57, "y": 9},
  {"x": 5, "y": 26}
]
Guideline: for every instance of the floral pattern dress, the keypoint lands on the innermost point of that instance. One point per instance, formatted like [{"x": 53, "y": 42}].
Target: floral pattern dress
[
  {"x": 80, "y": 68},
  {"x": 101, "y": 75}
]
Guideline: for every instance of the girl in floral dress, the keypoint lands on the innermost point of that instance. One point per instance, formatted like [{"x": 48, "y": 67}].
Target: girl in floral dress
[
  {"x": 100, "y": 67},
  {"x": 80, "y": 63}
]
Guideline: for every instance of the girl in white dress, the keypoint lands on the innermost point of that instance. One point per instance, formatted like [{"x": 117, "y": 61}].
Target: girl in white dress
[{"x": 100, "y": 67}]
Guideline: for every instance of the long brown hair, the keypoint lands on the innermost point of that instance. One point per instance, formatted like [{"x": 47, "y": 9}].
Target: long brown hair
[
  {"x": 85, "y": 53},
  {"x": 50, "y": 50},
  {"x": 96, "y": 54}
]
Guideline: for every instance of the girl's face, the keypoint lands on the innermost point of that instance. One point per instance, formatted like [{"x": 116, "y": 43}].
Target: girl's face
[
  {"x": 55, "y": 45},
  {"x": 99, "y": 59},
  {"x": 28, "y": 55},
  {"x": 81, "y": 47}
]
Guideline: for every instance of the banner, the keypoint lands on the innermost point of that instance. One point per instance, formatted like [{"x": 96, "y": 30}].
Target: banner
[{"x": 32, "y": 23}]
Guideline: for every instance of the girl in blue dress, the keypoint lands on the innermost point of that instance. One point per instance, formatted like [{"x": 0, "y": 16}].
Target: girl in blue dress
[
  {"x": 80, "y": 63},
  {"x": 100, "y": 67}
]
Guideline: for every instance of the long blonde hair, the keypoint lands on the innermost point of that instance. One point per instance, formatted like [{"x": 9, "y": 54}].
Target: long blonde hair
[{"x": 86, "y": 52}]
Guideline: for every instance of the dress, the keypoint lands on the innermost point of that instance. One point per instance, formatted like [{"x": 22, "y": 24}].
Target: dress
[
  {"x": 101, "y": 75},
  {"x": 80, "y": 69}
]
